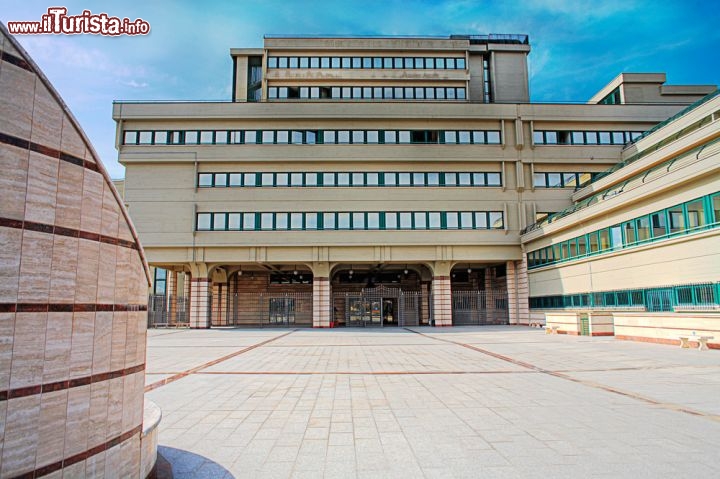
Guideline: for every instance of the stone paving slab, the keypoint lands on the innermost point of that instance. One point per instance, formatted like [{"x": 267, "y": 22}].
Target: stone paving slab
[{"x": 353, "y": 403}]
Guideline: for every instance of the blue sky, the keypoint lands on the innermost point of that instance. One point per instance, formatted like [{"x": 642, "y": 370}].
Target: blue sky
[{"x": 186, "y": 54}]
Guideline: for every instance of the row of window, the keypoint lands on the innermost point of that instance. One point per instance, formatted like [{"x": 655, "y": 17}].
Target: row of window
[
  {"x": 560, "y": 180},
  {"x": 367, "y": 93},
  {"x": 418, "y": 220},
  {"x": 692, "y": 216},
  {"x": 309, "y": 137},
  {"x": 693, "y": 296},
  {"x": 414, "y": 63},
  {"x": 209, "y": 180},
  {"x": 584, "y": 137}
]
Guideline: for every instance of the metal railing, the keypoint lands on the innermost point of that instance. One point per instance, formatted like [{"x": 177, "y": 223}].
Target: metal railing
[
  {"x": 687, "y": 297},
  {"x": 168, "y": 311}
]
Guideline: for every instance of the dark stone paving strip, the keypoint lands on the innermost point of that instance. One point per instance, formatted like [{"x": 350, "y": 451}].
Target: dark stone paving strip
[
  {"x": 584, "y": 382},
  {"x": 181, "y": 375}
]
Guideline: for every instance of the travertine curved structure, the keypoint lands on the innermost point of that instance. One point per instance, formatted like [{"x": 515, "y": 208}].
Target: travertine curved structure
[{"x": 73, "y": 285}]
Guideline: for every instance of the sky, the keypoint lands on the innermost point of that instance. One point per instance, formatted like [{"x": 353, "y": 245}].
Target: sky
[{"x": 577, "y": 47}]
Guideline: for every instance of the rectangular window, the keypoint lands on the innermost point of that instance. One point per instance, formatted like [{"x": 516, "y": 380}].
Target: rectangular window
[
  {"x": 281, "y": 179},
  {"x": 551, "y": 138},
  {"x": 205, "y": 180},
  {"x": 344, "y": 221},
  {"x": 695, "y": 214},
  {"x": 314, "y": 62},
  {"x": 390, "y": 179},
  {"x": 481, "y": 220},
  {"x": 266, "y": 221},
  {"x": 161, "y": 138},
  {"x": 466, "y": 220},
  {"x": 464, "y": 137},
  {"x": 281, "y": 221},
  {"x": 604, "y": 239},
  {"x": 343, "y": 179},
  {"x": 569, "y": 180},
  {"x": 433, "y": 179},
  {"x": 450, "y": 137},
  {"x": 221, "y": 179},
  {"x": 630, "y": 237},
  {"x": 249, "y": 179},
  {"x": 311, "y": 179},
  {"x": 234, "y": 221},
  {"x": 329, "y": 221},
  {"x": 293, "y": 62},
  {"x": 372, "y": 136},
  {"x": 420, "y": 220},
  {"x": 358, "y": 179},
  {"x": 404, "y": 136},
  {"x": 311, "y": 221},
  {"x": 616, "y": 237},
  {"x": 191, "y": 137},
  {"x": 206, "y": 137},
  {"x": 219, "y": 221},
  {"x": 296, "y": 221},
  {"x": 324, "y": 62},
  {"x": 554, "y": 180},
  {"x": 677, "y": 221},
  {"x": 464, "y": 179},
  {"x": 235, "y": 179},
  {"x": 716, "y": 208},
  {"x": 418, "y": 179},
  {"x": 578, "y": 138},
  {"x": 296, "y": 179},
  {"x": 391, "y": 221},
  {"x": 145, "y": 138},
  {"x": 283, "y": 137},
  {"x": 250, "y": 137},
  {"x": 343, "y": 136},
  {"x": 450, "y": 179},
  {"x": 267, "y": 179},
  {"x": 659, "y": 225},
  {"x": 451, "y": 220},
  {"x": 373, "y": 221},
  {"x": 405, "y": 220},
  {"x": 373, "y": 179},
  {"x": 572, "y": 248},
  {"x": 493, "y": 179},
  {"x": 358, "y": 221},
  {"x": 268, "y": 136},
  {"x": 249, "y": 221},
  {"x": 358, "y": 136},
  {"x": 642, "y": 227},
  {"x": 496, "y": 220},
  {"x": 582, "y": 246},
  {"x": 404, "y": 179},
  {"x": 204, "y": 221},
  {"x": 539, "y": 180},
  {"x": 593, "y": 246},
  {"x": 297, "y": 137},
  {"x": 390, "y": 137},
  {"x": 434, "y": 220}
]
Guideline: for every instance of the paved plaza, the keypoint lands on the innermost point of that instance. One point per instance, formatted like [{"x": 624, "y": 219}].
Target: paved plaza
[{"x": 476, "y": 402}]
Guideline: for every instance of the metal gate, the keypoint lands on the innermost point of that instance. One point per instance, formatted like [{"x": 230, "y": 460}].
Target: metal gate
[
  {"x": 168, "y": 311},
  {"x": 478, "y": 308},
  {"x": 265, "y": 310},
  {"x": 381, "y": 307}
]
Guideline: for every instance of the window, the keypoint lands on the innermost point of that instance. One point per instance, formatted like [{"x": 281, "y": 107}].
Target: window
[
  {"x": 248, "y": 221},
  {"x": 451, "y": 220},
  {"x": 434, "y": 220},
  {"x": 496, "y": 220},
  {"x": 344, "y": 221},
  {"x": 593, "y": 246},
  {"x": 281, "y": 221},
  {"x": 266, "y": 221},
  {"x": 695, "y": 214},
  {"x": 329, "y": 221},
  {"x": 311, "y": 221},
  {"x": 405, "y": 220},
  {"x": 221, "y": 179},
  {"x": 205, "y": 179},
  {"x": 420, "y": 219},
  {"x": 296, "y": 221},
  {"x": 373, "y": 221},
  {"x": 642, "y": 227},
  {"x": 234, "y": 221},
  {"x": 160, "y": 281},
  {"x": 676, "y": 219},
  {"x": 616, "y": 237},
  {"x": 630, "y": 237},
  {"x": 358, "y": 221},
  {"x": 659, "y": 225},
  {"x": 204, "y": 221}
]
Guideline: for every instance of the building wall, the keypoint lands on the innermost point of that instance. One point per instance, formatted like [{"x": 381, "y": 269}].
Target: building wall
[{"x": 73, "y": 285}]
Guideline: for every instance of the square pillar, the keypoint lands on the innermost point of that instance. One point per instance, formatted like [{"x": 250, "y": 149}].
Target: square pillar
[
  {"x": 200, "y": 303},
  {"x": 518, "y": 292},
  {"x": 321, "y": 302},
  {"x": 442, "y": 301},
  {"x": 171, "y": 292}
]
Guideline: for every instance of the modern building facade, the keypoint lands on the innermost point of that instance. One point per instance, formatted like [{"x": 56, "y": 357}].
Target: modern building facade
[{"x": 365, "y": 181}]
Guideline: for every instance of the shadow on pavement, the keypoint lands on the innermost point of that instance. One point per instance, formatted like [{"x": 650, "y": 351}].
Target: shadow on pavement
[{"x": 178, "y": 464}]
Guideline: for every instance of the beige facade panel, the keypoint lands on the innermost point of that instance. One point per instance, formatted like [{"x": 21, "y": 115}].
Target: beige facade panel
[
  {"x": 510, "y": 77},
  {"x": 691, "y": 259}
]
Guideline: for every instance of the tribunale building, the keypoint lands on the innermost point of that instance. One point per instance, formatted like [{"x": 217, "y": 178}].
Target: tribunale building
[{"x": 402, "y": 181}]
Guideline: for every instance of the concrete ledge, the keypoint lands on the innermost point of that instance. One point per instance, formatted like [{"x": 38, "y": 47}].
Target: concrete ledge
[{"x": 152, "y": 414}]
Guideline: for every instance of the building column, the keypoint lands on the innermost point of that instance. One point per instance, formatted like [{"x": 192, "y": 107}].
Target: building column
[
  {"x": 517, "y": 288},
  {"x": 171, "y": 296},
  {"x": 442, "y": 294},
  {"x": 322, "y": 316},
  {"x": 200, "y": 290}
]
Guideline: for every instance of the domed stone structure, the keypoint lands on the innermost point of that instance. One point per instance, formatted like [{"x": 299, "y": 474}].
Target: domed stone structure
[{"x": 73, "y": 293}]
